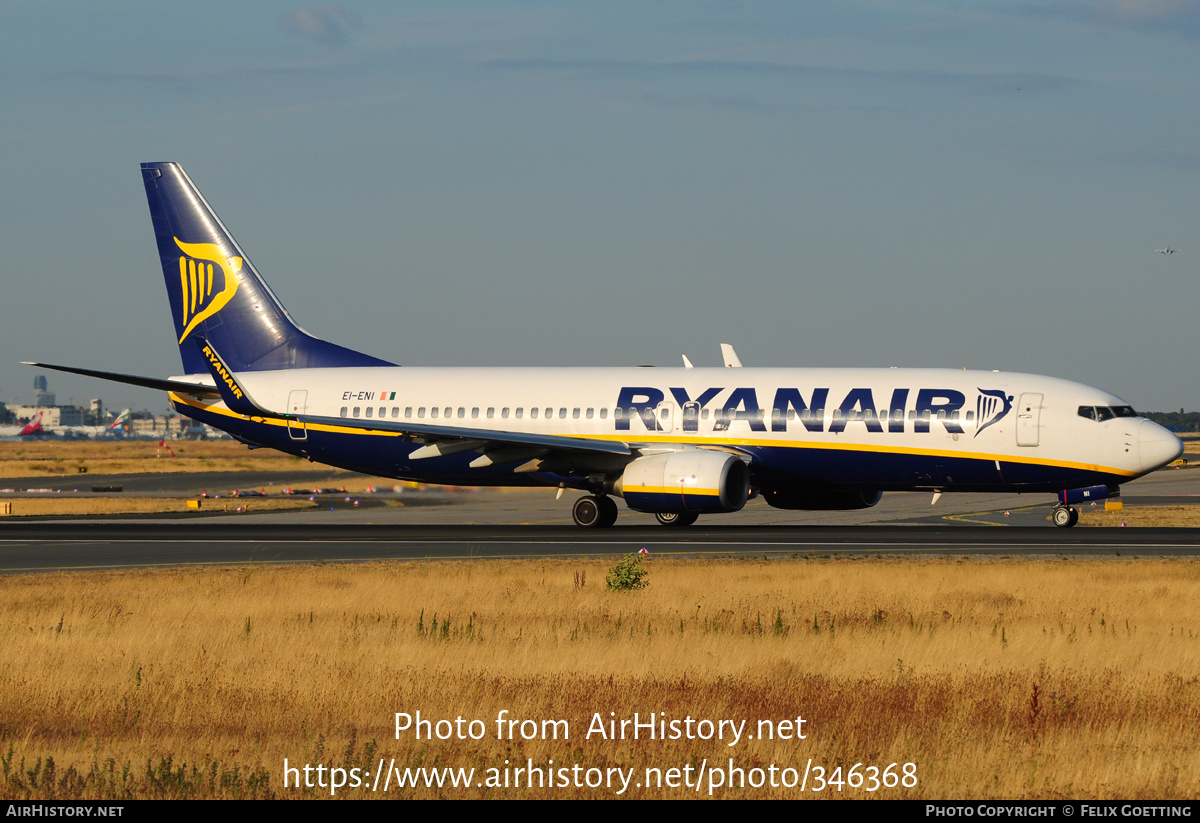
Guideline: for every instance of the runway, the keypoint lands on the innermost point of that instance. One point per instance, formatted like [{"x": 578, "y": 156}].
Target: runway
[{"x": 533, "y": 524}]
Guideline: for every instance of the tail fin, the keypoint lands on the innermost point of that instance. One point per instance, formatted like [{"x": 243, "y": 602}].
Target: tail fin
[{"x": 215, "y": 292}]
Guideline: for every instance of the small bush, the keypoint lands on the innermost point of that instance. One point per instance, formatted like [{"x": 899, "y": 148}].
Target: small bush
[{"x": 628, "y": 574}]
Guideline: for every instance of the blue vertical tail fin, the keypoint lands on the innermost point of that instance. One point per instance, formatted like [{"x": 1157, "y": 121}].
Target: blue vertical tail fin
[{"x": 216, "y": 293}]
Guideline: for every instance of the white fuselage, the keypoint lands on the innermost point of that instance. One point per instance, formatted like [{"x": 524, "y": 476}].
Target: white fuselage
[{"x": 878, "y": 428}]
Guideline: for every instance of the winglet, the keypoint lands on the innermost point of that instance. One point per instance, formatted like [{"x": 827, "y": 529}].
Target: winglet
[{"x": 730, "y": 356}]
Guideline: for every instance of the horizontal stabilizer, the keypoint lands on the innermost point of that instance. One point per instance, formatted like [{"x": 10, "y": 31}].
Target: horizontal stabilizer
[{"x": 177, "y": 386}]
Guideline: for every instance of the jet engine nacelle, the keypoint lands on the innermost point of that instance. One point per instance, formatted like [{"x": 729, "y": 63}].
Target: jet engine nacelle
[
  {"x": 825, "y": 500},
  {"x": 694, "y": 480}
]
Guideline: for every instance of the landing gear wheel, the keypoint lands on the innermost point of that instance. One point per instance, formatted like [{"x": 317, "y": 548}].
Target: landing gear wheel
[
  {"x": 594, "y": 512},
  {"x": 676, "y": 518},
  {"x": 1065, "y": 517},
  {"x": 608, "y": 511}
]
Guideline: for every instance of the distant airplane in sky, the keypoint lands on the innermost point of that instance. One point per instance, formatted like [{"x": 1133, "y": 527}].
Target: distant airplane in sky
[
  {"x": 674, "y": 443},
  {"x": 1167, "y": 250}
]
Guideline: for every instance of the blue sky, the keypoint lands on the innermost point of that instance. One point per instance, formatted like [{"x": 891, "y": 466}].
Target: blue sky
[{"x": 976, "y": 184}]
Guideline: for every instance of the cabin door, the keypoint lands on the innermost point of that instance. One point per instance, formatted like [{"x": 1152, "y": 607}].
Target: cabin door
[{"x": 1029, "y": 415}]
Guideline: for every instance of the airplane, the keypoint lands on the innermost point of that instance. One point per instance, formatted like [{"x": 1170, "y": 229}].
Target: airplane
[
  {"x": 675, "y": 443},
  {"x": 33, "y": 427},
  {"x": 1167, "y": 250},
  {"x": 117, "y": 428}
]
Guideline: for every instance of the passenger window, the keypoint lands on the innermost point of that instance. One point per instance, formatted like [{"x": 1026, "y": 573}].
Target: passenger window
[
  {"x": 604, "y": 414},
  {"x": 356, "y": 411},
  {"x": 475, "y": 412},
  {"x": 619, "y": 414},
  {"x": 549, "y": 413},
  {"x": 434, "y": 412},
  {"x": 491, "y": 412},
  {"x": 369, "y": 410},
  {"x": 520, "y": 410},
  {"x": 383, "y": 411},
  {"x": 970, "y": 416},
  {"x": 575, "y": 414},
  {"x": 504, "y": 413},
  {"x": 589, "y": 413},
  {"x": 665, "y": 414},
  {"x": 462, "y": 412},
  {"x": 420, "y": 412},
  {"x": 533, "y": 413},
  {"x": 395, "y": 411},
  {"x": 408, "y": 411},
  {"x": 343, "y": 411},
  {"x": 704, "y": 414},
  {"x": 448, "y": 411}
]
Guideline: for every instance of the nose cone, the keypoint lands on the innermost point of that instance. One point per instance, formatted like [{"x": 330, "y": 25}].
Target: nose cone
[{"x": 1156, "y": 446}]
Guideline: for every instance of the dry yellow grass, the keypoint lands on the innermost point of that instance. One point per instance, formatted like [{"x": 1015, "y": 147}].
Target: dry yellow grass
[
  {"x": 1135, "y": 516},
  {"x": 51, "y": 458},
  {"x": 117, "y": 504},
  {"x": 998, "y": 679}
]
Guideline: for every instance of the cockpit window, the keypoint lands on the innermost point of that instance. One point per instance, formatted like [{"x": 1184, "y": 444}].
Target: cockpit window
[{"x": 1102, "y": 413}]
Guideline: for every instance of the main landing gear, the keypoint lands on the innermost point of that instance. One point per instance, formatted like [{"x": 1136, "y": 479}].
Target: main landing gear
[
  {"x": 599, "y": 511},
  {"x": 595, "y": 512},
  {"x": 1065, "y": 516}
]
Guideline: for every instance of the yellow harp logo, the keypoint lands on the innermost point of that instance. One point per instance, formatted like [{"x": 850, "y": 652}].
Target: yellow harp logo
[{"x": 196, "y": 270}]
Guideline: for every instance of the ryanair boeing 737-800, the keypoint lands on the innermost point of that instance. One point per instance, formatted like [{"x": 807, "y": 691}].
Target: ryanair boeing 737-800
[{"x": 672, "y": 442}]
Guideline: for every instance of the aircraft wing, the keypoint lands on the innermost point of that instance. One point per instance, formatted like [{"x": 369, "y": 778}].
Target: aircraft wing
[{"x": 444, "y": 440}]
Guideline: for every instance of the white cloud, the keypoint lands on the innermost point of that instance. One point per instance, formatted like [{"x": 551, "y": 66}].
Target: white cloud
[{"x": 321, "y": 24}]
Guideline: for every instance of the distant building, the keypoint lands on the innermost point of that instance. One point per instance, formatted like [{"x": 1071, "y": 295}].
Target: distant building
[{"x": 42, "y": 396}]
